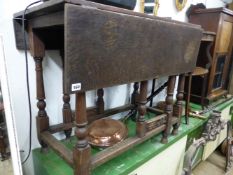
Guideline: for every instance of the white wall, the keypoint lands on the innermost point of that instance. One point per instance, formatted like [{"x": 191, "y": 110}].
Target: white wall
[
  {"x": 11, "y": 125},
  {"x": 15, "y": 64}
]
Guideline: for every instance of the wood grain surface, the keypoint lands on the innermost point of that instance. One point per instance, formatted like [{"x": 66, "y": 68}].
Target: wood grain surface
[{"x": 104, "y": 48}]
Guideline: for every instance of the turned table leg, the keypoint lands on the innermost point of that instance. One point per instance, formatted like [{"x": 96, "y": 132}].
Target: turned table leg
[
  {"x": 169, "y": 107},
  {"x": 66, "y": 110},
  {"x": 82, "y": 150},
  {"x": 178, "y": 105},
  {"x": 67, "y": 113},
  {"x": 37, "y": 50},
  {"x": 100, "y": 101},
  {"x": 141, "y": 125},
  {"x": 42, "y": 118}
]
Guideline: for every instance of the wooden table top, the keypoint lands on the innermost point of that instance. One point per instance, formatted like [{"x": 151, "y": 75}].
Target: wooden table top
[{"x": 106, "y": 46}]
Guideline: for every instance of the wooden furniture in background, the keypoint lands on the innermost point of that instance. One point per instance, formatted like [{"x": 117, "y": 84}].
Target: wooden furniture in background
[
  {"x": 220, "y": 21},
  {"x": 100, "y": 43},
  {"x": 199, "y": 73}
]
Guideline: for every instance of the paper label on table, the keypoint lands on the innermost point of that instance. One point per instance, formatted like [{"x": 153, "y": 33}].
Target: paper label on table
[{"x": 76, "y": 87}]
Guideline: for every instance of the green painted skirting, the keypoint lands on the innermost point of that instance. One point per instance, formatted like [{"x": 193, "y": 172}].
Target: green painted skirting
[{"x": 51, "y": 164}]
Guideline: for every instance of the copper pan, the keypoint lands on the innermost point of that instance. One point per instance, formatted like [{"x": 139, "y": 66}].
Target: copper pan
[{"x": 106, "y": 132}]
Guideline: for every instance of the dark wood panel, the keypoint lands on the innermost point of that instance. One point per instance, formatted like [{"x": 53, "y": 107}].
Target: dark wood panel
[
  {"x": 44, "y": 8},
  {"x": 215, "y": 10},
  {"x": 50, "y": 13},
  {"x": 201, "y": 19},
  {"x": 48, "y": 20},
  {"x": 19, "y": 35},
  {"x": 105, "y": 49},
  {"x": 218, "y": 20}
]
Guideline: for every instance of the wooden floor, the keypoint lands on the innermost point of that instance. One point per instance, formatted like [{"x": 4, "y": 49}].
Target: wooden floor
[{"x": 214, "y": 165}]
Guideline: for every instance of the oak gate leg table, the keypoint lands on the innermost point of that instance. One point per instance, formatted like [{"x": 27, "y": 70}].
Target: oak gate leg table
[{"x": 105, "y": 46}]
